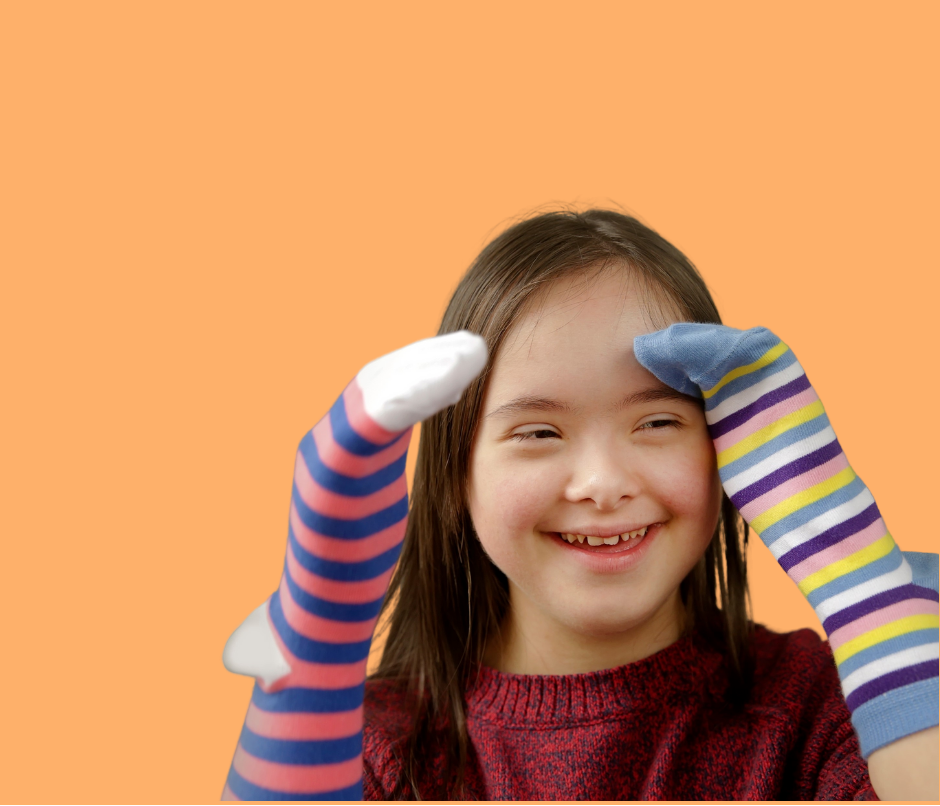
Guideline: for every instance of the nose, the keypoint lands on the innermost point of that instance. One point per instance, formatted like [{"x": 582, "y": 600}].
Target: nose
[{"x": 605, "y": 475}]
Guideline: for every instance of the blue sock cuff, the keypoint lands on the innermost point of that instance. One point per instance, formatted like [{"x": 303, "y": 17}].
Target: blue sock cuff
[{"x": 899, "y": 713}]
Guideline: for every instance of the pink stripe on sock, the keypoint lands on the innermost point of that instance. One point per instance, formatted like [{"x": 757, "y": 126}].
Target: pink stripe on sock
[
  {"x": 345, "y": 549},
  {"x": 766, "y": 417},
  {"x": 297, "y": 778},
  {"x": 792, "y": 486},
  {"x": 304, "y": 727},
  {"x": 363, "y": 424},
  {"x": 367, "y": 590},
  {"x": 346, "y": 507},
  {"x": 319, "y": 628},
  {"x": 324, "y": 676},
  {"x": 228, "y": 794},
  {"x": 339, "y": 460},
  {"x": 307, "y": 674},
  {"x": 870, "y": 534},
  {"x": 899, "y": 610}
]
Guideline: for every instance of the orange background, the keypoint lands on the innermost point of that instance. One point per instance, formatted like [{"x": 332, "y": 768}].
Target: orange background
[{"x": 215, "y": 213}]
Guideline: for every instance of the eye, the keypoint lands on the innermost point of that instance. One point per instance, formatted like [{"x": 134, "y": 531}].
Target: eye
[
  {"x": 660, "y": 425},
  {"x": 537, "y": 434}
]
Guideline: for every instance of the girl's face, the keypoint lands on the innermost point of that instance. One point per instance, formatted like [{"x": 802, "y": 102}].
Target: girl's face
[{"x": 576, "y": 437}]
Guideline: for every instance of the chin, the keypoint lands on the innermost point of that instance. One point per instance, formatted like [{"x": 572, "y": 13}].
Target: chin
[{"x": 606, "y": 623}]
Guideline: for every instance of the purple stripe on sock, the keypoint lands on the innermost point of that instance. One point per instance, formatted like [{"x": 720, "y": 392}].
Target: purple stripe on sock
[
  {"x": 772, "y": 398},
  {"x": 892, "y": 680},
  {"x": 797, "y": 467},
  {"x": 830, "y": 537},
  {"x": 877, "y": 602}
]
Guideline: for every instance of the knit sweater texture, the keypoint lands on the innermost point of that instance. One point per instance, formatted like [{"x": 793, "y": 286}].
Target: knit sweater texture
[{"x": 661, "y": 728}]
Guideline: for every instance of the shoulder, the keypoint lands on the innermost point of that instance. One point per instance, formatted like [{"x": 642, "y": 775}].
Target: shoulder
[
  {"x": 387, "y": 721},
  {"x": 779, "y": 654},
  {"x": 796, "y": 685},
  {"x": 794, "y": 672},
  {"x": 387, "y": 708},
  {"x": 387, "y": 740}
]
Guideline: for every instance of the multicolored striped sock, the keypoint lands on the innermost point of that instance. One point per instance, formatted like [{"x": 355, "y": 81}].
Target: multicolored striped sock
[
  {"x": 784, "y": 470},
  {"x": 302, "y": 737}
]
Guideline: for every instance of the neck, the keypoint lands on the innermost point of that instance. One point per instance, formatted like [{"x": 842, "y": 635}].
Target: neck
[{"x": 528, "y": 643}]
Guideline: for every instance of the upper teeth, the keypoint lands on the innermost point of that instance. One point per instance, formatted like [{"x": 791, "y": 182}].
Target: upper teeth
[{"x": 610, "y": 541}]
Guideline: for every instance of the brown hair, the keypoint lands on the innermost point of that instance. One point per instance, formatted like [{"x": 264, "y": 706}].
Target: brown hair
[{"x": 448, "y": 596}]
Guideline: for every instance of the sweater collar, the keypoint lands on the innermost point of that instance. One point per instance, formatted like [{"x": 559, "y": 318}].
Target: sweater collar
[{"x": 677, "y": 671}]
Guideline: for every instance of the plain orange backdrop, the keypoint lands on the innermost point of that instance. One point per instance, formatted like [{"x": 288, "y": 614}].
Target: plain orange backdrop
[{"x": 213, "y": 214}]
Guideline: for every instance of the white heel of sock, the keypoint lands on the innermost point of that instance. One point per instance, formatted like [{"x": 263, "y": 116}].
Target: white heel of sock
[{"x": 252, "y": 650}]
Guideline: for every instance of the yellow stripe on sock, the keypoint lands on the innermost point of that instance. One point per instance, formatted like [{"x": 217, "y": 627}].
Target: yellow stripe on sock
[
  {"x": 802, "y": 499},
  {"x": 922, "y": 621},
  {"x": 767, "y": 358},
  {"x": 875, "y": 551},
  {"x": 769, "y": 432}
]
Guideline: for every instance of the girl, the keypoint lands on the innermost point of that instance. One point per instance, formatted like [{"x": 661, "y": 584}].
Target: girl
[{"x": 569, "y": 613}]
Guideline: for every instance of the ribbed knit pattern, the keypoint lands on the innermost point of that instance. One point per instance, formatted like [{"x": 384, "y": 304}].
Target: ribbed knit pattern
[
  {"x": 785, "y": 471},
  {"x": 302, "y": 737},
  {"x": 661, "y": 728}
]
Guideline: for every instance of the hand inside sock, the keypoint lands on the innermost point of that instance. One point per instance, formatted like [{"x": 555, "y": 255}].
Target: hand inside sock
[
  {"x": 308, "y": 645},
  {"x": 783, "y": 468}
]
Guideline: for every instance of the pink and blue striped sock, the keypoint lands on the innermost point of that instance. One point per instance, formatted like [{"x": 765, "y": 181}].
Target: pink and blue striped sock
[
  {"x": 785, "y": 471},
  {"x": 302, "y": 737}
]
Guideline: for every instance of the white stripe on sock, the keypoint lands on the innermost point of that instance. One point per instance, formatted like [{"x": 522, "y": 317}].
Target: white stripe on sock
[
  {"x": 819, "y": 524},
  {"x": 777, "y": 460},
  {"x": 889, "y": 663},
  {"x": 752, "y": 393},
  {"x": 902, "y": 575}
]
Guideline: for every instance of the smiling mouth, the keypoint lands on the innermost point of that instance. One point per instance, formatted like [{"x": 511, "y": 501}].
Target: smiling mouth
[{"x": 614, "y": 543}]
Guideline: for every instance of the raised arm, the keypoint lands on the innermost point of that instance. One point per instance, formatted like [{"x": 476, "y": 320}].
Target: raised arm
[
  {"x": 785, "y": 471},
  {"x": 308, "y": 645}
]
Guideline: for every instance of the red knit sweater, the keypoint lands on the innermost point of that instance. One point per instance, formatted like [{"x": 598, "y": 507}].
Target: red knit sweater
[{"x": 656, "y": 729}]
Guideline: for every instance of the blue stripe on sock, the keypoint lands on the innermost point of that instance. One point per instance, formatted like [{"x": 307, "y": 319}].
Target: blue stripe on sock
[
  {"x": 350, "y": 529},
  {"x": 345, "y": 436},
  {"x": 309, "y": 700},
  {"x": 343, "y": 572},
  {"x": 885, "y": 565},
  {"x": 348, "y": 485},
  {"x": 784, "y": 440},
  {"x": 804, "y": 515},
  {"x": 829, "y": 538},
  {"x": 872, "y": 604},
  {"x": 884, "y": 648},
  {"x": 248, "y": 791},
  {"x": 286, "y": 751},
  {"x": 312, "y": 650},
  {"x": 338, "y": 611},
  {"x": 732, "y": 388},
  {"x": 766, "y": 401},
  {"x": 791, "y": 470}
]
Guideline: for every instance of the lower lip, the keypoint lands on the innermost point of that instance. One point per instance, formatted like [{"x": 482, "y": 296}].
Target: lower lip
[{"x": 607, "y": 562}]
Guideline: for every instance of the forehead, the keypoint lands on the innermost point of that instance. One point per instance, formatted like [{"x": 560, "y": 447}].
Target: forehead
[
  {"x": 584, "y": 317},
  {"x": 572, "y": 351}
]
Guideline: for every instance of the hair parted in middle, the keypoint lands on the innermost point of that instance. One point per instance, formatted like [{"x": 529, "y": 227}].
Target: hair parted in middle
[{"x": 447, "y": 597}]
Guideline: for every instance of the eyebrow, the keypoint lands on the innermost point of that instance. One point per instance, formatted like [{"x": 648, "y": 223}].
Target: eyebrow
[{"x": 531, "y": 403}]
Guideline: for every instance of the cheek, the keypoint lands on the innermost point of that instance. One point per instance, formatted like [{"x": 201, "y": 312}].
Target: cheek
[
  {"x": 687, "y": 481},
  {"x": 505, "y": 499}
]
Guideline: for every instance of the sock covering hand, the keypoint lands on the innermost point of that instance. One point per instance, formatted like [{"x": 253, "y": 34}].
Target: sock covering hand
[
  {"x": 302, "y": 737},
  {"x": 783, "y": 468}
]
